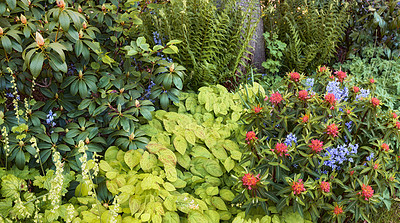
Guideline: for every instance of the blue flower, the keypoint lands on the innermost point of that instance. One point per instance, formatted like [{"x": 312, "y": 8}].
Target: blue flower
[
  {"x": 333, "y": 87},
  {"x": 340, "y": 155},
  {"x": 371, "y": 156},
  {"x": 10, "y": 95},
  {"x": 291, "y": 138},
  {"x": 309, "y": 83},
  {"x": 364, "y": 93},
  {"x": 349, "y": 125},
  {"x": 50, "y": 118}
]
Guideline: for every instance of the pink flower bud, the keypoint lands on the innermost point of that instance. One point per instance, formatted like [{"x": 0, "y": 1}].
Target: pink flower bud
[
  {"x": 39, "y": 39},
  {"x": 61, "y": 4},
  {"x": 1, "y": 31},
  {"x": 23, "y": 19}
]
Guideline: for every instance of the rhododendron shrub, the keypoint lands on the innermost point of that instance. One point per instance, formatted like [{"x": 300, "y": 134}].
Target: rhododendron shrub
[{"x": 323, "y": 146}]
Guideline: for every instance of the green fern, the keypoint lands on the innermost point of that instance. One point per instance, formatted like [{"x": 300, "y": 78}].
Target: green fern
[
  {"x": 215, "y": 38},
  {"x": 311, "y": 30}
]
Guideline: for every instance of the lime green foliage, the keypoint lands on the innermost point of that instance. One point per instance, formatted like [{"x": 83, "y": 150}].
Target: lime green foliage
[
  {"x": 372, "y": 64},
  {"x": 311, "y": 30},
  {"x": 287, "y": 216},
  {"x": 214, "y": 36}
]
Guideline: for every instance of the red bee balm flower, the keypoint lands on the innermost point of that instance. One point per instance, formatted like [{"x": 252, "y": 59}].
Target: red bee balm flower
[
  {"x": 356, "y": 89},
  {"x": 303, "y": 95},
  {"x": 341, "y": 75},
  {"x": 250, "y": 181},
  {"x": 305, "y": 118},
  {"x": 337, "y": 210},
  {"x": 257, "y": 109},
  {"x": 316, "y": 145},
  {"x": 325, "y": 186},
  {"x": 298, "y": 187},
  {"x": 332, "y": 130},
  {"x": 276, "y": 98},
  {"x": 375, "y": 102},
  {"x": 250, "y": 137},
  {"x": 330, "y": 98},
  {"x": 385, "y": 147},
  {"x": 294, "y": 76},
  {"x": 280, "y": 149},
  {"x": 366, "y": 192}
]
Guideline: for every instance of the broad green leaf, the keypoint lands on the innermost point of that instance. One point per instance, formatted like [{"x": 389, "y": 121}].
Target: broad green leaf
[
  {"x": 132, "y": 158},
  {"x": 148, "y": 161},
  {"x": 36, "y": 64},
  {"x": 213, "y": 168},
  {"x": 180, "y": 144},
  {"x": 229, "y": 164},
  {"x": 218, "y": 203}
]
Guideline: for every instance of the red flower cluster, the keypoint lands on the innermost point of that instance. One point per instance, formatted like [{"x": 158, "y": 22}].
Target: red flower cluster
[
  {"x": 322, "y": 69},
  {"x": 371, "y": 80},
  {"x": 376, "y": 166},
  {"x": 250, "y": 181},
  {"x": 385, "y": 147},
  {"x": 298, "y": 187},
  {"x": 294, "y": 76},
  {"x": 375, "y": 102},
  {"x": 330, "y": 98},
  {"x": 394, "y": 115},
  {"x": 337, "y": 210},
  {"x": 341, "y": 75},
  {"x": 280, "y": 149},
  {"x": 316, "y": 145},
  {"x": 303, "y": 95},
  {"x": 332, "y": 130},
  {"x": 356, "y": 89},
  {"x": 325, "y": 186},
  {"x": 257, "y": 109},
  {"x": 366, "y": 192},
  {"x": 305, "y": 118},
  {"x": 398, "y": 125},
  {"x": 250, "y": 137},
  {"x": 276, "y": 98}
]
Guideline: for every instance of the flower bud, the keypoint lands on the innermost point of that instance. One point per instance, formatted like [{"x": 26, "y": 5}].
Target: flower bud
[
  {"x": 61, "y": 4},
  {"x": 103, "y": 8},
  {"x": 80, "y": 34},
  {"x": 1, "y": 31},
  {"x": 171, "y": 69},
  {"x": 84, "y": 25},
  {"x": 23, "y": 19},
  {"x": 39, "y": 39},
  {"x": 80, "y": 9}
]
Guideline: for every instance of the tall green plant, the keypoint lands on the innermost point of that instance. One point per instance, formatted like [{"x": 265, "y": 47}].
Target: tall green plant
[
  {"x": 311, "y": 30},
  {"x": 215, "y": 37}
]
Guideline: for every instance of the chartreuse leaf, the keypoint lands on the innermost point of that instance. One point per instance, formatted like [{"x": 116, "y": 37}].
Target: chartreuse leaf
[
  {"x": 180, "y": 144},
  {"x": 132, "y": 158}
]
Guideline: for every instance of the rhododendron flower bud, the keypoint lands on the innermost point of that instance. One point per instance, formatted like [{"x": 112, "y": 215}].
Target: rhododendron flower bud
[
  {"x": 103, "y": 8},
  {"x": 337, "y": 210},
  {"x": 250, "y": 137},
  {"x": 375, "y": 102},
  {"x": 39, "y": 39},
  {"x": 371, "y": 80},
  {"x": 294, "y": 76},
  {"x": 276, "y": 98},
  {"x": 298, "y": 187},
  {"x": 325, "y": 186},
  {"x": 250, "y": 181},
  {"x": 84, "y": 25},
  {"x": 341, "y": 75},
  {"x": 356, "y": 89},
  {"x": 305, "y": 118},
  {"x": 303, "y": 95},
  {"x": 1, "y": 31},
  {"x": 23, "y": 19},
  {"x": 332, "y": 130},
  {"x": 61, "y": 4},
  {"x": 80, "y": 9},
  {"x": 366, "y": 191},
  {"x": 385, "y": 147},
  {"x": 316, "y": 145},
  {"x": 257, "y": 109}
]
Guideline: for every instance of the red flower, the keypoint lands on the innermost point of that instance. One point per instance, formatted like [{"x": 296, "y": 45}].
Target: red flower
[
  {"x": 394, "y": 115},
  {"x": 303, "y": 95},
  {"x": 337, "y": 210},
  {"x": 280, "y": 149},
  {"x": 375, "y": 102},
  {"x": 385, "y": 147},
  {"x": 366, "y": 192},
  {"x": 266, "y": 98},
  {"x": 322, "y": 69},
  {"x": 356, "y": 89},
  {"x": 398, "y": 125},
  {"x": 371, "y": 80},
  {"x": 294, "y": 76},
  {"x": 250, "y": 181},
  {"x": 325, "y": 186},
  {"x": 257, "y": 109},
  {"x": 316, "y": 145},
  {"x": 351, "y": 172},
  {"x": 348, "y": 111},
  {"x": 341, "y": 75},
  {"x": 276, "y": 98},
  {"x": 376, "y": 166},
  {"x": 330, "y": 98},
  {"x": 332, "y": 130},
  {"x": 298, "y": 187},
  {"x": 305, "y": 118},
  {"x": 250, "y": 137},
  {"x": 331, "y": 77}
]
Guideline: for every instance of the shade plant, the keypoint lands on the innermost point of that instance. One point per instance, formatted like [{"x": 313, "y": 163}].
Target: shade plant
[{"x": 322, "y": 146}]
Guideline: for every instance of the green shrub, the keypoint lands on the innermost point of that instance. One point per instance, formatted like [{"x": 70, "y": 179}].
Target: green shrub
[{"x": 325, "y": 147}]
